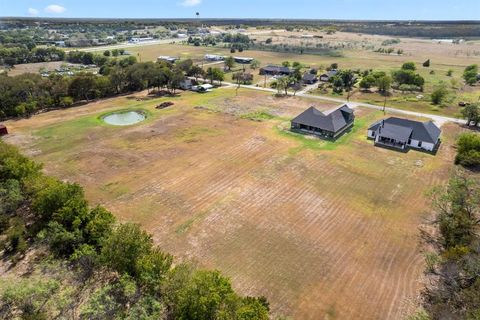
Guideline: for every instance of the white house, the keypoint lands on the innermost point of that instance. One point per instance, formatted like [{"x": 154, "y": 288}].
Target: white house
[
  {"x": 403, "y": 134},
  {"x": 203, "y": 88}
]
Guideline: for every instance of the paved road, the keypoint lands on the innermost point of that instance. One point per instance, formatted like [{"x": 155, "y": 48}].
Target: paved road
[
  {"x": 126, "y": 45},
  {"x": 439, "y": 120}
]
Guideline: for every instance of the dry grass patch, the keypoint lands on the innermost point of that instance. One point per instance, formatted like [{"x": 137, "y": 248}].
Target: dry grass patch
[{"x": 322, "y": 229}]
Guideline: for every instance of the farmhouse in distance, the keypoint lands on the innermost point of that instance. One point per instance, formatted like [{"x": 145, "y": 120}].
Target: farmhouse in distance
[
  {"x": 331, "y": 125},
  {"x": 403, "y": 133}
]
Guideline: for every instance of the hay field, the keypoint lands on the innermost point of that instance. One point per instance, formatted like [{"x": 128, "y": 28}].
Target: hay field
[{"x": 324, "y": 230}]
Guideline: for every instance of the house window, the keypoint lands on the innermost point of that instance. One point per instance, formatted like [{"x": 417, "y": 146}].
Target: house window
[{"x": 419, "y": 144}]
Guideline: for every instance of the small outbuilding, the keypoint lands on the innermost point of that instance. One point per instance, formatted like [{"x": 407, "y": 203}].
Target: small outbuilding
[
  {"x": 243, "y": 60},
  {"x": 329, "y": 125},
  {"x": 168, "y": 59},
  {"x": 3, "y": 130},
  {"x": 186, "y": 84},
  {"x": 203, "y": 88},
  {"x": 327, "y": 76},
  {"x": 403, "y": 134}
]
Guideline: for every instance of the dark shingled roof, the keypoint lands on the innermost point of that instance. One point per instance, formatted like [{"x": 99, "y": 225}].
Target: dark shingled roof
[
  {"x": 332, "y": 122},
  {"x": 309, "y": 77},
  {"x": 421, "y": 131},
  {"x": 272, "y": 68}
]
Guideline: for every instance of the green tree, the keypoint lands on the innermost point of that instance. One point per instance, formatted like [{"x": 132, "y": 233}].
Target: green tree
[
  {"x": 286, "y": 64},
  {"x": 409, "y": 66},
  {"x": 106, "y": 53},
  {"x": 458, "y": 206},
  {"x": 471, "y": 112},
  {"x": 367, "y": 82},
  {"x": 468, "y": 150},
  {"x": 470, "y": 74},
  {"x": 229, "y": 62},
  {"x": 255, "y": 64},
  {"x": 125, "y": 245},
  {"x": 439, "y": 94},
  {"x": 384, "y": 83},
  {"x": 208, "y": 295}
]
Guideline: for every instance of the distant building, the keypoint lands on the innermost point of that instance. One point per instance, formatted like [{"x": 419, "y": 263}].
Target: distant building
[
  {"x": 186, "y": 84},
  {"x": 273, "y": 70},
  {"x": 327, "y": 76},
  {"x": 167, "y": 59},
  {"x": 60, "y": 43},
  {"x": 243, "y": 60},
  {"x": 309, "y": 78},
  {"x": 139, "y": 40},
  {"x": 403, "y": 134},
  {"x": 330, "y": 125},
  {"x": 214, "y": 57},
  {"x": 203, "y": 88}
]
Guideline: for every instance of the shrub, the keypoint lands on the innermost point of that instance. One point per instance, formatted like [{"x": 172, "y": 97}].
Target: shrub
[
  {"x": 468, "y": 150},
  {"x": 409, "y": 66},
  {"x": 439, "y": 94}
]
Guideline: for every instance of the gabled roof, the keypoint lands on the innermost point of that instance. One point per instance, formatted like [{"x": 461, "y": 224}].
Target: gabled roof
[
  {"x": 421, "y": 131},
  {"x": 309, "y": 77},
  {"x": 273, "y": 68},
  {"x": 333, "y": 121},
  {"x": 330, "y": 73}
]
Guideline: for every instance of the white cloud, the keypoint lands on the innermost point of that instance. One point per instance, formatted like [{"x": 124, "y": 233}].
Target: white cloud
[
  {"x": 33, "y": 12},
  {"x": 55, "y": 9},
  {"x": 191, "y": 3}
]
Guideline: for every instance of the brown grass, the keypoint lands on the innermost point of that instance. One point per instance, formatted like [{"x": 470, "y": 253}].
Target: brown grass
[{"x": 323, "y": 230}]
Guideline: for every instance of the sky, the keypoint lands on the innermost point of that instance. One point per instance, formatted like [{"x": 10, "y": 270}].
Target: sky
[{"x": 287, "y": 9}]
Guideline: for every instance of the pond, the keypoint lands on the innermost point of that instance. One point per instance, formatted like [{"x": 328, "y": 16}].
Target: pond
[{"x": 124, "y": 118}]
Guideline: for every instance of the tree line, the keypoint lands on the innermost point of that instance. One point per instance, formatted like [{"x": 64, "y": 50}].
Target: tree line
[
  {"x": 26, "y": 94},
  {"x": 38, "y": 212}
]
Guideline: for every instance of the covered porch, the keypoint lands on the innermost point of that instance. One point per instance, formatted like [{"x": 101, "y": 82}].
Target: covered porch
[{"x": 393, "y": 136}]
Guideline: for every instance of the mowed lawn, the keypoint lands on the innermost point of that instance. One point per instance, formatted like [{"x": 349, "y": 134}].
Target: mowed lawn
[{"x": 324, "y": 230}]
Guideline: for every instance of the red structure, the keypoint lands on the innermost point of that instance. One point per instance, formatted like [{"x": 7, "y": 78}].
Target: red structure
[{"x": 3, "y": 130}]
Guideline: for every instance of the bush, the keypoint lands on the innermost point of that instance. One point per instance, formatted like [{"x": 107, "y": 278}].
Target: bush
[
  {"x": 439, "y": 94},
  {"x": 409, "y": 66},
  {"x": 468, "y": 150}
]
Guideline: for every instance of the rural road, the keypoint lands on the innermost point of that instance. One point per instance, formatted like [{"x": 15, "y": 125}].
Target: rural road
[
  {"x": 439, "y": 120},
  {"x": 126, "y": 45}
]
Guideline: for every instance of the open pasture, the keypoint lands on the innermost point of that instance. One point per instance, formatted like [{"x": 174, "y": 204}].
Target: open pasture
[
  {"x": 324, "y": 230},
  {"x": 357, "y": 54}
]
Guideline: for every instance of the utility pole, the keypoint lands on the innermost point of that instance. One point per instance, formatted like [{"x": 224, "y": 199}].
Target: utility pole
[{"x": 385, "y": 102}]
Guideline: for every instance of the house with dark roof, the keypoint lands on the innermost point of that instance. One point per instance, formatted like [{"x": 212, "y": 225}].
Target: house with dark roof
[
  {"x": 273, "y": 70},
  {"x": 309, "y": 78},
  {"x": 404, "y": 134},
  {"x": 327, "y": 76},
  {"x": 328, "y": 125}
]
